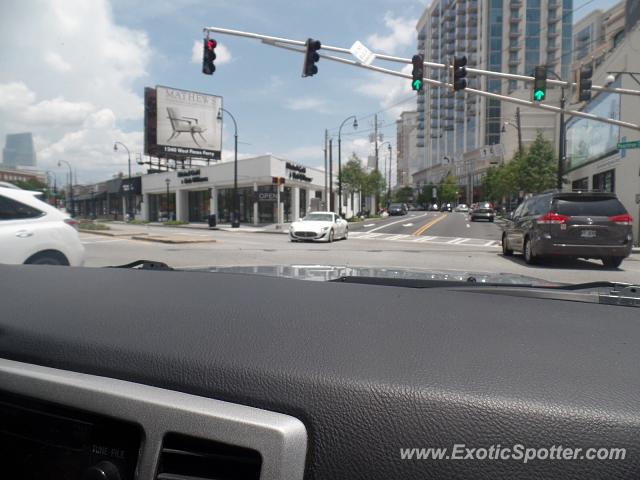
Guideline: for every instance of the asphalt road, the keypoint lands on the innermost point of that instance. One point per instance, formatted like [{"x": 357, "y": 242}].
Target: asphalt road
[{"x": 386, "y": 250}]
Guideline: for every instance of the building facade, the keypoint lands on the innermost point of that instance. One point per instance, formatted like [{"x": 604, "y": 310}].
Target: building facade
[
  {"x": 407, "y": 154},
  {"x": 510, "y": 36},
  {"x": 594, "y": 161},
  {"x": 18, "y": 151},
  {"x": 192, "y": 195}
]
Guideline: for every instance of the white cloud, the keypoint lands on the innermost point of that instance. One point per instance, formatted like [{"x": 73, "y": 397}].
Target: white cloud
[
  {"x": 393, "y": 93},
  {"x": 76, "y": 96},
  {"x": 223, "y": 55},
  {"x": 314, "y": 104},
  {"x": 57, "y": 62},
  {"x": 402, "y": 34}
]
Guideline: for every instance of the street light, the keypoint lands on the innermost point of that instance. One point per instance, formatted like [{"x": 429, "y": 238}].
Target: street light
[
  {"x": 235, "y": 221},
  {"x": 129, "y": 201},
  {"x": 167, "y": 181},
  {"x": 70, "y": 183},
  {"x": 518, "y": 127},
  {"x": 562, "y": 147},
  {"x": 355, "y": 126}
]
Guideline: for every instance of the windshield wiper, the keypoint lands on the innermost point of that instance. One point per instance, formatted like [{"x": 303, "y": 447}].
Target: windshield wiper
[{"x": 144, "y": 265}]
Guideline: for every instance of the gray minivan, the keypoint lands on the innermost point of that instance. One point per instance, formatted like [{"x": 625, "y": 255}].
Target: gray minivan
[{"x": 572, "y": 224}]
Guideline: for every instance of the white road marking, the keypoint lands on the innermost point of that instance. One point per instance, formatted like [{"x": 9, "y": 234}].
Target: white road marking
[
  {"x": 424, "y": 239},
  {"x": 392, "y": 223},
  {"x": 455, "y": 240},
  {"x": 490, "y": 243},
  {"x": 408, "y": 225},
  {"x": 462, "y": 241},
  {"x": 396, "y": 237},
  {"x": 369, "y": 225},
  {"x": 468, "y": 226}
]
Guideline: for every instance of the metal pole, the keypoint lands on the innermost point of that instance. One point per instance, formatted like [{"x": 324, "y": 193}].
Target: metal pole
[
  {"x": 326, "y": 172},
  {"x": 331, "y": 202},
  {"x": 236, "y": 220},
  {"x": 389, "y": 184},
  {"x": 339, "y": 174},
  {"x": 561, "y": 146},
  {"x": 519, "y": 125}
]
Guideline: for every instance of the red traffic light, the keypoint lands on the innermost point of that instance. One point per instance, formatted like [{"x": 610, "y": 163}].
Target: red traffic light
[{"x": 211, "y": 44}]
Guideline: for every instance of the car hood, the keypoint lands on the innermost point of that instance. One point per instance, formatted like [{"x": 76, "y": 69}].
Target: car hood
[
  {"x": 326, "y": 273},
  {"x": 310, "y": 226}
]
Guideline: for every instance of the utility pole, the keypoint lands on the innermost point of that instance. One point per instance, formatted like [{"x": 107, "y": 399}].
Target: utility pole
[
  {"x": 519, "y": 126},
  {"x": 561, "y": 147},
  {"x": 375, "y": 128},
  {"x": 326, "y": 172},
  {"x": 331, "y": 203}
]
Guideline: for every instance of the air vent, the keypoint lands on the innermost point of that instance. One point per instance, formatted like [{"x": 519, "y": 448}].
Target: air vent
[{"x": 189, "y": 458}]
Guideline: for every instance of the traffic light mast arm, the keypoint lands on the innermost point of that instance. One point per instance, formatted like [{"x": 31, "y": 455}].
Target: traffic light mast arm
[
  {"x": 280, "y": 42},
  {"x": 496, "y": 96}
]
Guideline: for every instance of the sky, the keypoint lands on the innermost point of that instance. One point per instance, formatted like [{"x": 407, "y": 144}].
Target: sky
[{"x": 74, "y": 72}]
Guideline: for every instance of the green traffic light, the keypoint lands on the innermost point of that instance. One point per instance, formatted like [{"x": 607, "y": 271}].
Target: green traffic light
[
  {"x": 417, "y": 84},
  {"x": 539, "y": 95}
]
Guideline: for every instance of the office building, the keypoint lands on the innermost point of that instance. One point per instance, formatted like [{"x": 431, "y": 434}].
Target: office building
[
  {"x": 505, "y": 36},
  {"x": 408, "y": 160},
  {"x": 18, "y": 151}
]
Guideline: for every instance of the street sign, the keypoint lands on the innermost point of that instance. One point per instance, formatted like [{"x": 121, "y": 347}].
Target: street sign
[
  {"x": 362, "y": 53},
  {"x": 626, "y": 145}
]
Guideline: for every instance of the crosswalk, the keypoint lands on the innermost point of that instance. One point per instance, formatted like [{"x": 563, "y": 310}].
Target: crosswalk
[{"x": 453, "y": 241}]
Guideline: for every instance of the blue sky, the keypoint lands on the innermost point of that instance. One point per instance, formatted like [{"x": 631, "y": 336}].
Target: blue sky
[{"x": 76, "y": 70}]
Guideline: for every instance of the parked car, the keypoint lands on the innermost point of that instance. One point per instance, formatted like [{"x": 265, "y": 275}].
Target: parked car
[
  {"x": 483, "y": 212},
  {"x": 34, "y": 232},
  {"x": 578, "y": 224},
  {"x": 461, "y": 208},
  {"x": 398, "y": 209},
  {"x": 324, "y": 226}
]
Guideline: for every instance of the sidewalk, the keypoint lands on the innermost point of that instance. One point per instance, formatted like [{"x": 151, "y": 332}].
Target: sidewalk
[{"x": 226, "y": 227}]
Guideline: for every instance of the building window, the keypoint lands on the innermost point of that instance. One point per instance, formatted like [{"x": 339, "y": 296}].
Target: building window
[
  {"x": 581, "y": 184},
  {"x": 618, "y": 38},
  {"x": 605, "y": 181}
]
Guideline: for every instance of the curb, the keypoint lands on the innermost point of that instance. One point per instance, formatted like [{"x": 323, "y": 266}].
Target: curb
[{"x": 107, "y": 233}]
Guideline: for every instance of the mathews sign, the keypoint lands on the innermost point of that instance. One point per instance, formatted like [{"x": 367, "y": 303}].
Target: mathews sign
[{"x": 182, "y": 124}]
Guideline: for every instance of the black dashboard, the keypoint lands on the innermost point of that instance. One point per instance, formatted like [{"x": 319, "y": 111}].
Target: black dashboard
[{"x": 366, "y": 371}]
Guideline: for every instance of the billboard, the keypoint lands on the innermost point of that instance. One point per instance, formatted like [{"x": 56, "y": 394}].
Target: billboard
[
  {"x": 589, "y": 140},
  {"x": 182, "y": 124}
]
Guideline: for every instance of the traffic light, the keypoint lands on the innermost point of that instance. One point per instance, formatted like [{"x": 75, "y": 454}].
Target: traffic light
[
  {"x": 311, "y": 57},
  {"x": 418, "y": 72},
  {"x": 459, "y": 73},
  {"x": 277, "y": 180},
  {"x": 208, "y": 56},
  {"x": 584, "y": 83},
  {"x": 539, "y": 84}
]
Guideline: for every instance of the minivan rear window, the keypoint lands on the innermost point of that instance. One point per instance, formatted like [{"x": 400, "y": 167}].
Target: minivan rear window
[{"x": 589, "y": 206}]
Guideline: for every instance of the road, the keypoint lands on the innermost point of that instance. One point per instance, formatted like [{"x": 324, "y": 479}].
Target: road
[{"x": 413, "y": 251}]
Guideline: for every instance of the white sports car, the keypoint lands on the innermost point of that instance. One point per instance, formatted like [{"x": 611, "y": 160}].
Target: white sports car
[{"x": 326, "y": 226}]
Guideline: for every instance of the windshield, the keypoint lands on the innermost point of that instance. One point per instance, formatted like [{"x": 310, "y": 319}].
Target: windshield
[
  {"x": 176, "y": 133},
  {"x": 318, "y": 217}
]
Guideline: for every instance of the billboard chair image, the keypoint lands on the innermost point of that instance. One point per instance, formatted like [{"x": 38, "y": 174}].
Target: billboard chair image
[{"x": 181, "y": 124}]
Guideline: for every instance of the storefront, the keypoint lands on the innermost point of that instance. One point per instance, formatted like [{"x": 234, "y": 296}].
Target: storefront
[{"x": 193, "y": 194}]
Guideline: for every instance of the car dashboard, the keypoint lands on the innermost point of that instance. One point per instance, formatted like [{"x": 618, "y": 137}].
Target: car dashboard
[{"x": 175, "y": 375}]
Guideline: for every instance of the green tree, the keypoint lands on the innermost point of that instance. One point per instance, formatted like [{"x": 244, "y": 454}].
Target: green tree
[
  {"x": 538, "y": 169},
  {"x": 448, "y": 189},
  {"x": 424, "y": 197},
  {"x": 353, "y": 177},
  {"x": 31, "y": 184},
  {"x": 403, "y": 195},
  {"x": 374, "y": 183}
]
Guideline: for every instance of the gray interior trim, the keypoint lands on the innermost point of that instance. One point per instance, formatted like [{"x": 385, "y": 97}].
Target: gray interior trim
[{"x": 280, "y": 439}]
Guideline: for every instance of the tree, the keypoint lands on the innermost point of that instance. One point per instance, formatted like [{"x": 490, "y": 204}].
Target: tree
[
  {"x": 448, "y": 190},
  {"x": 353, "y": 177},
  {"x": 424, "y": 197},
  {"x": 374, "y": 183},
  {"x": 404, "y": 195},
  {"x": 539, "y": 169},
  {"x": 31, "y": 184}
]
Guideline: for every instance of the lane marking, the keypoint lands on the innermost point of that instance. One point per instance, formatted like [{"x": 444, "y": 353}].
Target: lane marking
[
  {"x": 392, "y": 223},
  {"x": 408, "y": 225},
  {"x": 424, "y": 239},
  {"x": 396, "y": 237},
  {"x": 455, "y": 240},
  {"x": 468, "y": 226},
  {"x": 369, "y": 225},
  {"x": 424, "y": 228},
  {"x": 489, "y": 243}
]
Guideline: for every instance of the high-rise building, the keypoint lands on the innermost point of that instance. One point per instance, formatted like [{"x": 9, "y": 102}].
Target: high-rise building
[
  {"x": 408, "y": 161},
  {"x": 511, "y": 36},
  {"x": 18, "y": 151},
  {"x": 596, "y": 34}
]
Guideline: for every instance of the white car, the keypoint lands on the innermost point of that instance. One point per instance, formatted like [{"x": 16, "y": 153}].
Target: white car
[
  {"x": 325, "y": 226},
  {"x": 461, "y": 208},
  {"x": 34, "y": 232}
]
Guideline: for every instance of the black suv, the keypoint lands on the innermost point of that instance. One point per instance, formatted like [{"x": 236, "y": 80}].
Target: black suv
[{"x": 578, "y": 224}]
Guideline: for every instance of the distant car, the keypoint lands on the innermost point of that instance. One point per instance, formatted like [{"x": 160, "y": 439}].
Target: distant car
[
  {"x": 33, "y": 232},
  {"x": 461, "y": 208},
  {"x": 482, "y": 213},
  {"x": 323, "y": 226},
  {"x": 446, "y": 207},
  {"x": 578, "y": 224},
  {"x": 433, "y": 207},
  {"x": 398, "y": 209}
]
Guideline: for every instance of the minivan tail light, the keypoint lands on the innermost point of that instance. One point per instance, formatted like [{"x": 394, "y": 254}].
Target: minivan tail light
[
  {"x": 553, "y": 219},
  {"x": 72, "y": 222},
  {"x": 624, "y": 219}
]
